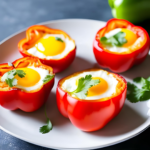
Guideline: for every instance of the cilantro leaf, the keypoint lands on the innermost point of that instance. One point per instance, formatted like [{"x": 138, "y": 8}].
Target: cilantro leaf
[
  {"x": 131, "y": 87},
  {"x": 136, "y": 94},
  {"x": 59, "y": 39},
  {"x": 109, "y": 41},
  {"x": 48, "y": 78},
  {"x": 143, "y": 82},
  {"x": 46, "y": 128},
  {"x": 145, "y": 96},
  {"x": 148, "y": 79},
  {"x": 115, "y": 40},
  {"x": 11, "y": 73},
  {"x": 83, "y": 85},
  {"x": 120, "y": 37},
  {"x": 9, "y": 77},
  {"x": 9, "y": 82},
  {"x": 20, "y": 73}
]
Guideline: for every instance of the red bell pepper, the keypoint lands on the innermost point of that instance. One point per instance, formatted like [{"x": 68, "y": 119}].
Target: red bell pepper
[
  {"x": 13, "y": 98},
  {"x": 120, "y": 62},
  {"x": 33, "y": 34},
  {"x": 91, "y": 115}
]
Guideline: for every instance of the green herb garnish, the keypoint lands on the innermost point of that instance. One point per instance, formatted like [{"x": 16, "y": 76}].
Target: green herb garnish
[
  {"x": 9, "y": 82},
  {"x": 136, "y": 94},
  {"x": 9, "y": 77},
  {"x": 48, "y": 78},
  {"x": 46, "y": 128},
  {"x": 115, "y": 40},
  {"x": 59, "y": 39},
  {"x": 83, "y": 85},
  {"x": 20, "y": 73}
]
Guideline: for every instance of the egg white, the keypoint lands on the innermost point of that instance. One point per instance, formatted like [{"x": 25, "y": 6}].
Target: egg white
[
  {"x": 70, "y": 84},
  {"x": 42, "y": 72},
  {"x": 116, "y": 48},
  {"x": 69, "y": 46}
]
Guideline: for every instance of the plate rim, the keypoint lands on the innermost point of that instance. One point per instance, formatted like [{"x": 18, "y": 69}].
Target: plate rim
[{"x": 144, "y": 126}]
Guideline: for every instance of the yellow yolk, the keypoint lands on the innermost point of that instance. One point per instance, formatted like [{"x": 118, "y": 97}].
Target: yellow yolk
[
  {"x": 31, "y": 78},
  {"x": 50, "y": 46},
  {"x": 130, "y": 37},
  {"x": 99, "y": 88}
]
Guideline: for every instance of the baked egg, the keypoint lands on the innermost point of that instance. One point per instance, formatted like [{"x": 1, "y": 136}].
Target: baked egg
[
  {"x": 109, "y": 86},
  {"x": 133, "y": 41},
  {"x": 52, "y": 46},
  {"x": 32, "y": 80}
]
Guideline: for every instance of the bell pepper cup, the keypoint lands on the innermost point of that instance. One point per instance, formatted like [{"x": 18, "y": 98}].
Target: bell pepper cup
[
  {"x": 94, "y": 114},
  {"x": 121, "y": 61},
  {"x": 47, "y": 45},
  {"x": 28, "y": 100}
]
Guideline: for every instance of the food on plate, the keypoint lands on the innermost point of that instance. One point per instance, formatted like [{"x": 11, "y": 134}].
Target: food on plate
[
  {"x": 120, "y": 45},
  {"x": 139, "y": 89},
  {"x": 25, "y": 84},
  {"x": 91, "y": 98},
  {"x": 53, "y": 47},
  {"x": 48, "y": 126},
  {"x": 131, "y": 10}
]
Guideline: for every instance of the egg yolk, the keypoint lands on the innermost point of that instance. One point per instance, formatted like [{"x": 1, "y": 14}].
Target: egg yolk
[
  {"x": 31, "y": 77},
  {"x": 130, "y": 36},
  {"x": 99, "y": 88},
  {"x": 50, "y": 46}
]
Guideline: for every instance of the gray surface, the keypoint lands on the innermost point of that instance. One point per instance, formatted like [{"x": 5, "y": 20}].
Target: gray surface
[
  {"x": 19, "y": 14},
  {"x": 16, "y": 15}
]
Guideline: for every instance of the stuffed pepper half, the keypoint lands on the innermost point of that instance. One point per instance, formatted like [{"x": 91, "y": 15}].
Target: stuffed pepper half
[
  {"x": 53, "y": 47},
  {"x": 120, "y": 45},
  {"x": 91, "y": 98},
  {"x": 25, "y": 84}
]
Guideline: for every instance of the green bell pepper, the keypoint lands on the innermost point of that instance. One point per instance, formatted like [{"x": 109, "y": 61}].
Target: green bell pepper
[{"x": 132, "y": 10}]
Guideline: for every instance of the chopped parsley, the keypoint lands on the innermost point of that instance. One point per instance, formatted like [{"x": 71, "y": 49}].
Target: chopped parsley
[
  {"x": 48, "y": 127},
  {"x": 115, "y": 40},
  {"x": 136, "y": 94},
  {"x": 84, "y": 84},
  {"x": 48, "y": 78},
  {"x": 9, "y": 77},
  {"x": 59, "y": 39}
]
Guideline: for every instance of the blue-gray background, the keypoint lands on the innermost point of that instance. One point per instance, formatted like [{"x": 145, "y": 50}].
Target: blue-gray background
[{"x": 16, "y": 15}]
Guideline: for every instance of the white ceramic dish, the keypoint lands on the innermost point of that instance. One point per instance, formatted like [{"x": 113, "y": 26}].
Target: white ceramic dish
[{"x": 133, "y": 118}]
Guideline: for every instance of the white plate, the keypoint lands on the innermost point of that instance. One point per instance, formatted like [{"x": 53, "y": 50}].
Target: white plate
[{"x": 133, "y": 118}]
